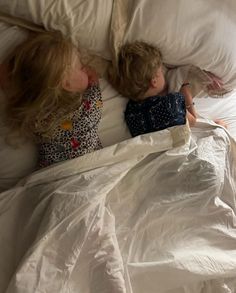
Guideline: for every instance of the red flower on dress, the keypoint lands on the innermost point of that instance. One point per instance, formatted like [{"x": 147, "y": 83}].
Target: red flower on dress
[
  {"x": 74, "y": 143},
  {"x": 87, "y": 105}
]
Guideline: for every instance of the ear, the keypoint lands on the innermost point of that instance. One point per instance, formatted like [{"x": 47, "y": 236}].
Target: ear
[
  {"x": 66, "y": 85},
  {"x": 153, "y": 82}
]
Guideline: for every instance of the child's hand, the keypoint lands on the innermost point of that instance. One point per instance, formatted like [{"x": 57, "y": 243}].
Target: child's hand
[
  {"x": 221, "y": 122},
  {"x": 92, "y": 75},
  {"x": 215, "y": 83}
]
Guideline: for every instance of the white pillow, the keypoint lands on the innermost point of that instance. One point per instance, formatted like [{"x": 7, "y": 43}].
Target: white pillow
[
  {"x": 112, "y": 127},
  {"x": 11, "y": 36},
  {"x": 202, "y": 33},
  {"x": 88, "y": 22}
]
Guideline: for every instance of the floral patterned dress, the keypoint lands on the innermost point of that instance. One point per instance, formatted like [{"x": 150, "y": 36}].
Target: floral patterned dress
[{"x": 75, "y": 134}]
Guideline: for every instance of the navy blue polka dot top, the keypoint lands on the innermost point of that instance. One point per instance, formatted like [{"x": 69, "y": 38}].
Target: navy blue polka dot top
[{"x": 155, "y": 113}]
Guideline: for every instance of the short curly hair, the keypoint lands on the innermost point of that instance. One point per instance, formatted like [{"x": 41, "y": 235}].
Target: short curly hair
[{"x": 136, "y": 65}]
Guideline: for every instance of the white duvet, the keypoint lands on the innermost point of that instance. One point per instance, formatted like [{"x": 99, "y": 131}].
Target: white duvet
[{"x": 140, "y": 216}]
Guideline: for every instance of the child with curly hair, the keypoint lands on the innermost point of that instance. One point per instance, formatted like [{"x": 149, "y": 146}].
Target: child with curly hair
[{"x": 139, "y": 76}]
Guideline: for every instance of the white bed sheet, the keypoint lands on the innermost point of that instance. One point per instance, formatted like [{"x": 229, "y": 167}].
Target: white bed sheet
[
  {"x": 221, "y": 107},
  {"x": 139, "y": 216}
]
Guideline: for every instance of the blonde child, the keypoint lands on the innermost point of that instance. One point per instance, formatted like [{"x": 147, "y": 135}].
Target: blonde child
[
  {"x": 139, "y": 76},
  {"x": 53, "y": 98}
]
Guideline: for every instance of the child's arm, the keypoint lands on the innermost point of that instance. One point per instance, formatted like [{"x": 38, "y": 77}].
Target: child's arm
[
  {"x": 191, "y": 112},
  {"x": 191, "y": 118},
  {"x": 215, "y": 83},
  {"x": 221, "y": 122}
]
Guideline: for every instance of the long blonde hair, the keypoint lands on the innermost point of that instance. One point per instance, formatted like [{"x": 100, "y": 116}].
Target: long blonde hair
[
  {"x": 37, "y": 68},
  {"x": 136, "y": 65}
]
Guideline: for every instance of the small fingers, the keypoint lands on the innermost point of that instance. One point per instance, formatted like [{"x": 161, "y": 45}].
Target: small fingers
[{"x": 221, "y": 123}]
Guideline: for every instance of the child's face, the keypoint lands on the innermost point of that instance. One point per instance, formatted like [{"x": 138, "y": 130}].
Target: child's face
[
  {"x": 158, "y": 81},
  {"x": 76, "y": 80}
]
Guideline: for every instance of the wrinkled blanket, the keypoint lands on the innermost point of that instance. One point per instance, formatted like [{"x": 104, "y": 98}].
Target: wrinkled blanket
[{"x": 140, "y": 216}]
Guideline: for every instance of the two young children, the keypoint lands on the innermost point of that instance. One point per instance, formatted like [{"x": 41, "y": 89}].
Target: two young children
[{"x": 56, "y": 100}]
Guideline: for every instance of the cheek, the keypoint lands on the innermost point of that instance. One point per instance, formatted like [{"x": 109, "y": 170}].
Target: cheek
[
  {"x": 86, "y": 77},
  {"x": 83, "y": 78},
  {"x": 77, "y": 82},
  {"x": 163, "y": 82}
]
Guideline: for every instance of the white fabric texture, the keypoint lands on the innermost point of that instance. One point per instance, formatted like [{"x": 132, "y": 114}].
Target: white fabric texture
[
  {"x": 87, "y": 22},
  {"x": 221, "y": 107},
  {"x": 11, "y": 36},
  {"x": 139, "y": 216}
]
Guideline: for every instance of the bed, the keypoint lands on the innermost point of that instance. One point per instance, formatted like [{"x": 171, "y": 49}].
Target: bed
[{"x": 154, "y": 213}]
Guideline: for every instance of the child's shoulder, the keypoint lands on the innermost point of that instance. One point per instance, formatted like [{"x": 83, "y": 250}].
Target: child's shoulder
[{"x": 153, "y": 101}]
